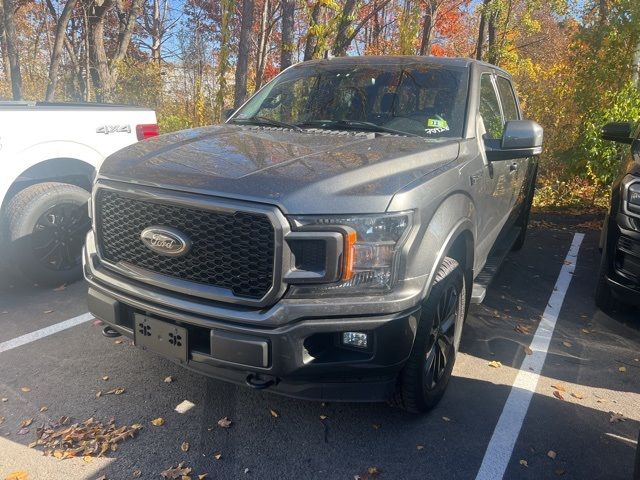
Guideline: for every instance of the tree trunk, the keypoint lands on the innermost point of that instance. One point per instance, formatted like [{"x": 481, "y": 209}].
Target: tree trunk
[
  {"x": 242, "y": 65},
  {"x": 56, "y": 53},
  {"x": 427, "y": 27},
  {"x": 261, "y": 54},
  {"x": 12, "y": 51},
  {"x": 3, "y": 45},
  {"x": 156, "y": 38},
  {"x": 483, "y": 22},
  {"x": 492, "y": 33},
  {"x": 101, "y": 73},
  {"x": 341, "y": 49},
  {"x": 342, "y": 42},
  {"x": 312, "y": 39},
  {"x": 287, "y": 46}
]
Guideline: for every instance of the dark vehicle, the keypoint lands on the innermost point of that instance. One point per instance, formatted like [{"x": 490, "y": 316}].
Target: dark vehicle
[
  {"x": 619, "y": 275},
  {"x": 325, "y": 242}
]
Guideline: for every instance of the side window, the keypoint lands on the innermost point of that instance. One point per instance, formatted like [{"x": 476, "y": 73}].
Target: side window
[
  {"x": 490, "y": 108},
  {"x": 509, "y": 105}
]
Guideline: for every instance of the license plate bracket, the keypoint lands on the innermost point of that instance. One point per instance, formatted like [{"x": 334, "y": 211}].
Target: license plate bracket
[{"x": 161, "y": 337}]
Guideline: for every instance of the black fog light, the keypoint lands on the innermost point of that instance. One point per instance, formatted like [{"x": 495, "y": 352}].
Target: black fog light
[{"x": 355, "y": 339}]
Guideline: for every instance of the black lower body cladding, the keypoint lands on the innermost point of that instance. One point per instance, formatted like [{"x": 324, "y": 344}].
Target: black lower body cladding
[{"x": 305, "y": 359}]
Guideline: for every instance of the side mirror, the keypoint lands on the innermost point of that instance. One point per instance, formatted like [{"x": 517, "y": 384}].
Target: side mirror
[
  {"x": 618, "y": 132},
  {"x": 521, "y": 139},
  {"x": 228, "y": 112}
]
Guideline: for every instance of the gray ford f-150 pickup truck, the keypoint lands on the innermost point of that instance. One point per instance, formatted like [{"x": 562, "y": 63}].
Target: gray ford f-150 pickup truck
[{"x": 326, "y": 241}]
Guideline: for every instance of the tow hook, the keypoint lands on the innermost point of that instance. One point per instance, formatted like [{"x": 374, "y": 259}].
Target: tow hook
[
  {"x": 110, "y": 332},
  {"x": 255, "y": 380}
]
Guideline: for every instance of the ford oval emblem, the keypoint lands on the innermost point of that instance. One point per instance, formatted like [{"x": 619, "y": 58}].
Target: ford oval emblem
[{"x": 165, "y": 241}]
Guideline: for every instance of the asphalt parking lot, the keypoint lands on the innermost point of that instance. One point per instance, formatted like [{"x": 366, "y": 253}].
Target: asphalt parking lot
[{"x": 579, "y": 418}]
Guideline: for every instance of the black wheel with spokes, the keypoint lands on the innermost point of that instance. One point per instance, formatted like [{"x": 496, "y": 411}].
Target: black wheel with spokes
[
  {"x": 47, "y": 224},
  {"x": 426, "y": 374}
]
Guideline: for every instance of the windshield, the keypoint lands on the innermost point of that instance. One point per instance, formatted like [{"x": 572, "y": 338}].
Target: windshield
[{"x": 419, "y": 99}]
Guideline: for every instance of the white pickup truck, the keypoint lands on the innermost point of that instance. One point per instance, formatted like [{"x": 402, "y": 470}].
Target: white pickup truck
[{"x": 48, "y": 155}]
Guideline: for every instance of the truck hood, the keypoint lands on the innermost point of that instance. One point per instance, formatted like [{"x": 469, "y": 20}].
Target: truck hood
[{"x": 310, "y": 172}]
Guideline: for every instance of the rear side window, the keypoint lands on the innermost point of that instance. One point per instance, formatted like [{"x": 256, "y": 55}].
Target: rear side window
[
  {"x": 490, "y": 108},
  {"x": 509, "y": 105}
]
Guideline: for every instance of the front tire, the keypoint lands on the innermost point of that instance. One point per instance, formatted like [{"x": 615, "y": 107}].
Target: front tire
[
  {"x": 426, "y": 374},
  {"x": 46, "y": 226}
]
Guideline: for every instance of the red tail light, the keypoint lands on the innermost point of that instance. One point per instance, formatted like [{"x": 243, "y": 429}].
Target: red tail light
[{"x": 147, "y": 131}]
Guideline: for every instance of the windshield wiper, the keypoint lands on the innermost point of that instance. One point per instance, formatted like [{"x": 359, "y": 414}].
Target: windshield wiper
[
  {"x": 260, "y": 120},
  {"x": 359, "y": 125}
]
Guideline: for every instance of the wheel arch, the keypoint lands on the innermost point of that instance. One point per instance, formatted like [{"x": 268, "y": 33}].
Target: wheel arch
[{"x": 62, "y": 169}]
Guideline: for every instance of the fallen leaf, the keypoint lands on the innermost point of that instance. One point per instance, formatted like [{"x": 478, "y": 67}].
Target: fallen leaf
[
  {"x": 23, "y": 431},
  {"x": 560, "y": 471},
  {"x": 184, "y": 406},
  {"x": 376, "y": 426},
  {"x": 551, "y": 454},
  {"x": 184, "y": 447},
  {"x": 373, "y": 471},
  {"x": 524, "y": 463},
  {"x": 115, "y": 391},
  {"x": 622, "y": 369},
  {"x": 420, "y": 447},
  {"x": 61, "y": 288},
  {"x": 522, "y": 329},
  {"x": 97, "y": 323},
  {"x": 246, "y": 470},
  {"x": 136, "y": 473},
  {"x": 567, "y": 344},
  {"x": 616, "y": 417},
  {"x": 5, "y": 399},
  {"x": 202, "y": 476},
  {"x": 176, "y": 472},
  {"x": 157, "y": 422},
  {"x": 168, "y": 380},
  {"x": 577, "y": 395},
  {"x": 558, "y": 395},
  {"x": 1, "y": 420},
  {"x": 217, "y": 455},
  {"x": 105, "y": 378},
  {"x": 48, "y": 311},
  {"x": 559, "y": 387},
  {"x": 518, "y": 307},
  {"x": 98, "y": 393},
  {"x": 118, "y": 342},
  {"x": 26, "y": 422},
  {"x": 224, "y": 422},
  {"x": 44, "y": 408},
  {"x": 528, "y": 351},
  {"x": 87, "y": 458},
  {"x": 25, "y": 389},
  {"x": 585, "y": 330},
  {"x": 17, "y": 475},
  {"x": 323, "y": 417},
  {"x": 274, "y": 413},
  {"x": 446, "y": 419},
  {"x": 495, "y": 364}
]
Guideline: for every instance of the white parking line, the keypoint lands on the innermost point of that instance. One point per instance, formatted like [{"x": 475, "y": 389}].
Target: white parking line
[
  {"x": 503, "y": 440},
  {"x": 44, "y": 332}
]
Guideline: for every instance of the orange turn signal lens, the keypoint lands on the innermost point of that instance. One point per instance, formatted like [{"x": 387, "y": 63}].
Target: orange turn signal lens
[{"x": 349, "y": 257}]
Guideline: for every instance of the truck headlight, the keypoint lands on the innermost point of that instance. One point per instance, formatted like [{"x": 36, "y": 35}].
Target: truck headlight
[
  {"x": 372, "y": 244},
  {"x": 633, "y": 197}
]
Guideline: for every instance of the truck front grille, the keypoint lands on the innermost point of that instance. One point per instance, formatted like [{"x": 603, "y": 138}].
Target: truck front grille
[{"x": 229, "y": 250}]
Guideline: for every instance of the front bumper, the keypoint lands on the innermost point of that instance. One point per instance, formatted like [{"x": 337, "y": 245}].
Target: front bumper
[
  {"x": 302, "y": 358},
  {"x": 624, "y": 272}
]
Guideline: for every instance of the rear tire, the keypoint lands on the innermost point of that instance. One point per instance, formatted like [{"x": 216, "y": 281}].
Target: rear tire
[
  {"x": 46, "y": 224},
  {"x": 426, "y": 374}
]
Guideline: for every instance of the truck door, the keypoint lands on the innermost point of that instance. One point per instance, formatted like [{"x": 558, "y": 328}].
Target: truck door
[
  {"x": 495, "y": 203},
  {"x": 517, "y": 168}
]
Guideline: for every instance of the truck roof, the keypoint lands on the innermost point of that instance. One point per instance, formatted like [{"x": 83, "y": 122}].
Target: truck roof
[
  {"x": 13, "y": 105},
  {"x": 460, "y": 62}
]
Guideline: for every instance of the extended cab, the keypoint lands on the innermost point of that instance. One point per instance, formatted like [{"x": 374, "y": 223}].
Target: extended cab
[
  {"x": 326, "y": 241},
  {"x": 48, "y": 154}
]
